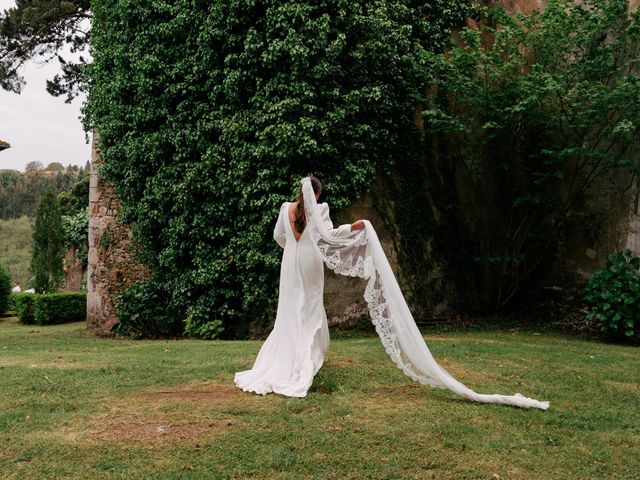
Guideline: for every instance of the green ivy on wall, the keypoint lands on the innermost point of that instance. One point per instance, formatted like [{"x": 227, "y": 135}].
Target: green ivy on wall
[{"x": 210, "y": 112}]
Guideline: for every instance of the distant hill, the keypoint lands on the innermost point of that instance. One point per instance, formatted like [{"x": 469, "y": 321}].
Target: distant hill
[{"x": 15, "y": 248}]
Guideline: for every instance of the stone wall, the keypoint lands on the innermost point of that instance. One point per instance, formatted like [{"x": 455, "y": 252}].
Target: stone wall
[
  {"x": 609, "y": 221},
  {"x": 111, "y": 266},
  {"x": 343, "y": 295},
  {"x": 528, "y": 6}
]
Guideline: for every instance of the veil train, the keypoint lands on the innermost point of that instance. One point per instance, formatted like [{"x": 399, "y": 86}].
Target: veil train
[{"x": 361, "y": 255}]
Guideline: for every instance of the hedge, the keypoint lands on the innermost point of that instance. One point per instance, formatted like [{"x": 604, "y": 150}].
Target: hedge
[
  {"x": 23, "y": 304},
  {"x": 51, "y": 308}
]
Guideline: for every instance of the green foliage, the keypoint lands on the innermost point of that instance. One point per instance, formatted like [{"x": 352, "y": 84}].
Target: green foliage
[
  {"x": 48, "y": 245},
  {"x": 534, "y": 110},
  {"x": 210, "y": 112},
  {"x": 15, "y": 248},
  {"x": 614, "y": 295},
  {"x": 75, "y": 231},
  {"x": 24, "y": 306},
  {"x": 75, "y": 217},
  {"x": 77, "y": 198},
  {"x": 54, "y": 308},
  {"x": 12, "y": 301},
  {"x": 144, "y": 311},
  {"x": 55, "y": 167},
  {"x": 5, "y": 290},
  {"x": 207, "y": 331},
  {"x": 33, "y": 167}
]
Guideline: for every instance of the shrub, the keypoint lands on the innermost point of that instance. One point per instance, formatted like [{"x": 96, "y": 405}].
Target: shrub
[
  {"x": 614, "y": 295},
  {"x": 23, "y": 304},
  {"x": 208, "y": 331},
  {"x": 144, "y": 312},
  {"x": 5, "y": 290},
  {"x": 55, "y": 308},
  {"x": 12, "y": 303}
]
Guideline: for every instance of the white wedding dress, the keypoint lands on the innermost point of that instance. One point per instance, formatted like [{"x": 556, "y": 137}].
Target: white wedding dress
[{"x": 295, "y": 349}]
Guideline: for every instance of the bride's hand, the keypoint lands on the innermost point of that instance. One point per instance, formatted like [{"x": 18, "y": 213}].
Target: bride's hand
[{"x": 358, "y": 225}]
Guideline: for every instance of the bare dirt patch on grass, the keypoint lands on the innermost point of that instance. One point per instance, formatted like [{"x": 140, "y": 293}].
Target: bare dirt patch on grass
[
  {"x": 142, "y": 429},
  {"x": 202, "y": 393},
  {"x": 172, "y": 414}
]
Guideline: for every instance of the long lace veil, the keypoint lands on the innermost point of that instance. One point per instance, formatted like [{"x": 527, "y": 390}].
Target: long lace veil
[{"x": 361, "y": 255}]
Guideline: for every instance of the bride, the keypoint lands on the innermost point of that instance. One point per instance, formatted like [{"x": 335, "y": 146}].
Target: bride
[{"x": 294, "y": 350}]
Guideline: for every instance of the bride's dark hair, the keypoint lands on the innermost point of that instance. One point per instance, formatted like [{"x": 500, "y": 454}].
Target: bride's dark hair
[{"x": 301, "y": 221}]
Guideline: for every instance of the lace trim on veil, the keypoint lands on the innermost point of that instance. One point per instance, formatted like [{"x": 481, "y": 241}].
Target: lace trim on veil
[{"x": 361, "y": 255}]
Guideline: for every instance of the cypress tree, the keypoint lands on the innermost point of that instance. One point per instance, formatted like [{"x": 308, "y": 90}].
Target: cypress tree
[
  {"x": 48, "y": 244},
  {"x": 5, "y": 290}
]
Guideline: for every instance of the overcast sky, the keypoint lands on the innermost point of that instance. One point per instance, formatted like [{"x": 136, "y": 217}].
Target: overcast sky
[{"x": 38, "y": 126}]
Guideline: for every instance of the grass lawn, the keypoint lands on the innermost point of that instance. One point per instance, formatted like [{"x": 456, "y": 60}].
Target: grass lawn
[{"x": 72, "y": 406}]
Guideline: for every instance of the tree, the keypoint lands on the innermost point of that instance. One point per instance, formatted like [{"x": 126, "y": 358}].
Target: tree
[
  {"x": 55, "y": 167},
  {"x": 5, "y": 290},
  {"x": 535, "y": 111},
  {"x": 20, "y": 193},
  {"x": 48, "y": 244},
  {"x": 39, "y": 29},
  {"x": 75, "y": 200},
  {"x": 33, "y": 167},
  {"x": 75, "y": 224}
]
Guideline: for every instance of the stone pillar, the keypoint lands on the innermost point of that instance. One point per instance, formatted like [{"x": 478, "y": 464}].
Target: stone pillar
[
  {"x": 111, "y": 266},
  {"x": 632, "y": 241},
  {"x": 521, "y": 6}
]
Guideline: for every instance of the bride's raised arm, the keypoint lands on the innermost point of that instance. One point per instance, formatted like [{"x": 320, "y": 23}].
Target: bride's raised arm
[{"x": 343, "y": 231}]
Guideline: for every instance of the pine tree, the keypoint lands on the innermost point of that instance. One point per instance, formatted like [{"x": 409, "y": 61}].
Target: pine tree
[
  {"x": 45, "y": 29},
  {"x": 48, "y": 244}
]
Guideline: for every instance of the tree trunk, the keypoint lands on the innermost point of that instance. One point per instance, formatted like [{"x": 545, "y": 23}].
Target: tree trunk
[{"x": 73, "y": 271}]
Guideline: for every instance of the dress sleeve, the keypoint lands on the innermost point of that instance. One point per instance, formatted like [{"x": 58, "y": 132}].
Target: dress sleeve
[
  {"x": 279, "y": 234},
  {"x": 342, "y": 231}
]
